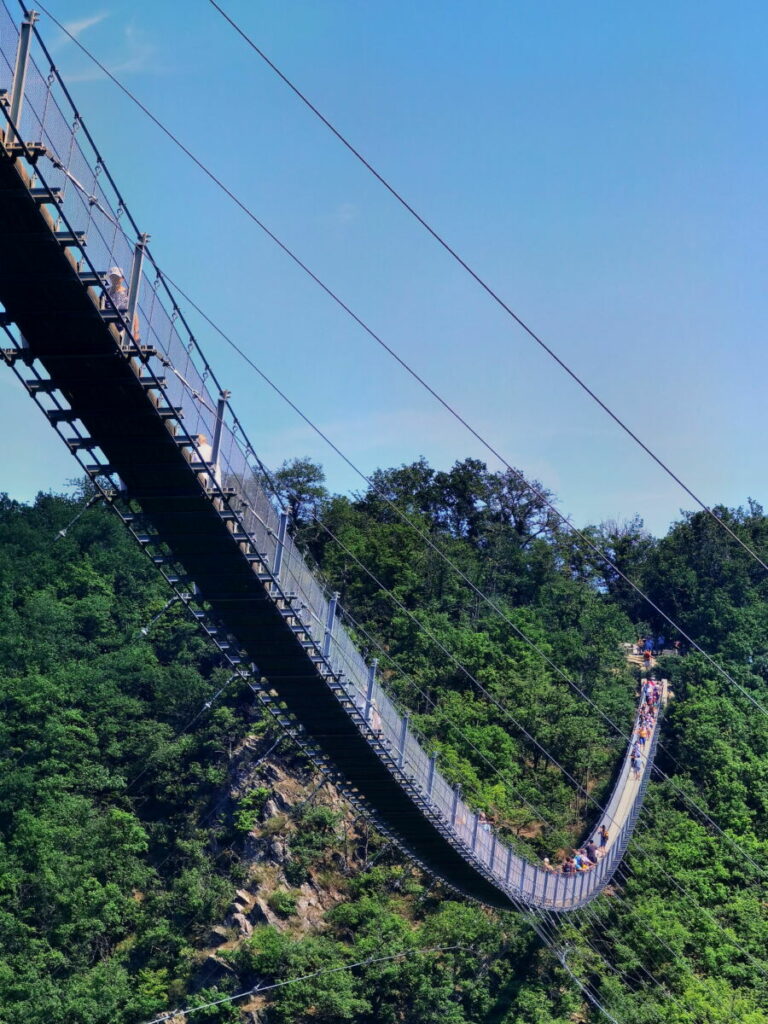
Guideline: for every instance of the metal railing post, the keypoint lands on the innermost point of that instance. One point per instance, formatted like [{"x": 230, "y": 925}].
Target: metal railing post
[
  {"x": 492, "y": 858},
  {"x": 20, "y": 74},
  {"x": 557, "y": 887},
  {"x": 546, "y": 886},
  {"x": 371, "y": 683},
  {"x": 328, "y": 635},
  {"x": 455, "y": 807},
  {"x": 221, "y": 407},
  {"x": 281, "y": 531},
  {"x": 603, "y": 867},
  {"x": 509, "y": 867},
  {"x": 475, "y": 824},
  {"x": 135, "y": 282},
  {"x": 431, "y": 776},
  {"x": 403, "y": 737}
]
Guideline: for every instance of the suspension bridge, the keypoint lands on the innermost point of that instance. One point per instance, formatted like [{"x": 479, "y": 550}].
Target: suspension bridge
[{"x": 133, "y": 397}]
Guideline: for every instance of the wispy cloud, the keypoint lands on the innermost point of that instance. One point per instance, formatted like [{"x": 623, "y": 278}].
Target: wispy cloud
[
  {"x": 76, "y": 28},
  {"x": 133, "y": 54}
]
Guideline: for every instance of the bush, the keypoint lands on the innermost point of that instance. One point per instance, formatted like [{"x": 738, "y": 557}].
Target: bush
[
  {"x": 249, "y": 809},
  {"x": 282, "y": 902}
]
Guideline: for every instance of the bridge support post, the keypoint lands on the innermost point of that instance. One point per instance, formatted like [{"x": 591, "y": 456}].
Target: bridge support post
[
  {"x": 581, "y": 885},
  {"x": 604, "y": 867},
  {"x": 475, "y": 824},
  {"x": 281, "y": 531},
  {"x": 455, "y": 806},
  {"x": 371, "y": 683},
  {"x": 493, "y": 852},
  {"x": 403, "y": 737},
  {"x": 137, "y": 267},
  {"x": 509, "y": 867},
  {"x": 431, "y": 776},
  {"x": 221, "y": 408},
  {"x": 557, "y": 886},
  {"x": 20, "y": 73},
  {"x": 329, "y": 623},
  {"x": 544, "y": 890}
]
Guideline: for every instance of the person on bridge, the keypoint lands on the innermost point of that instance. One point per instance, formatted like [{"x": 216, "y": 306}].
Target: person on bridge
[
  {"x": 375, "y": 719},
  {"x": 117, "y": 293},
  {"x": 642, "y": 736},
  {"x": 205, "y": 452},
  {"x": 603, "y": 834},
  {"x": 591, "y": 851}
]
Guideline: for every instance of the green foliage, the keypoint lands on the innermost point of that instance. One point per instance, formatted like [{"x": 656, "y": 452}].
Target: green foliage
[
  {"x": 316, "y": 830},
  {"x": 249, "y": 809},
  {"x": 119, "y": 847},
  {"x": 106, "y": 870},
  {"x": 283, "y": 902}
]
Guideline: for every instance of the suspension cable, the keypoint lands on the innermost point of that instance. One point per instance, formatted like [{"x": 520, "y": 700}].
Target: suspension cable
[
  {"x": 453, "y": 253},
  {"x": 541, "y": 496}
]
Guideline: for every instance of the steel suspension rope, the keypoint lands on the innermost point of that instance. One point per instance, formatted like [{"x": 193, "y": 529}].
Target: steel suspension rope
[
  {"x": 566, "y": 522},
  {"x": 638, "y": 846},
  {"x": 475, "y": 275},
  {"x": 478, "y": 685},
  {"x": 419, "y": 379}
]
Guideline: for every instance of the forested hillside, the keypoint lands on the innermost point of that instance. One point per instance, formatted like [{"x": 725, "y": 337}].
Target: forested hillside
[{"x": 160, "y": 853}]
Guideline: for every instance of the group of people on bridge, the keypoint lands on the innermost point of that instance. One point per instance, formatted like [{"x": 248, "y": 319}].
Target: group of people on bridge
[
  {"x": 587, "y": 857},
  {"x": 649, "y": 647},
  {"x": 650, "y": 692}
]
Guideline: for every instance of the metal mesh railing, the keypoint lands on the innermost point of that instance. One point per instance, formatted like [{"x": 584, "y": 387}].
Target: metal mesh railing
[{"x": 88, "y": 201}]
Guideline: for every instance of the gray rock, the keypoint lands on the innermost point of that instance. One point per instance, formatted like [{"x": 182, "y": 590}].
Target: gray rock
[
  {"x": 244, "y": 926},
  {"x": 261, "y": 914},
  {"x": 212, "y": 969},
  {"x": 277, "y": 851},
  {"x": 218, "y": 935},
  {"x": 258, "y": 914},
  {"x": 270, "y": 810}
]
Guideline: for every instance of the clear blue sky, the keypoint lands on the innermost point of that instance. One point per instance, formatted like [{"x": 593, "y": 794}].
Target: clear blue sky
[{"x": 602, "y": 165}]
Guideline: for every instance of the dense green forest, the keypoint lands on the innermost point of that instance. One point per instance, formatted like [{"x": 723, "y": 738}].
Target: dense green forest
[{"x": 133, "y": 817}]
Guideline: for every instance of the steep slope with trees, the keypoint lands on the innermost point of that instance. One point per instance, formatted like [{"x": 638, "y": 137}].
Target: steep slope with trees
[{"x": 130, "y": 813}]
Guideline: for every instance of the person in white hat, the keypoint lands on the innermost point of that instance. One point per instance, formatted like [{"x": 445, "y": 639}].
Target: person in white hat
[{"x": 117, "y": 293}]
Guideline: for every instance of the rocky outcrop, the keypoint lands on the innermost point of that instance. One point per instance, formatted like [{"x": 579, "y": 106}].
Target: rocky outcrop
[
  {"x": 264, "y": 854},
  {"x": 243, "y": 925},
  {"x": 218, "y": 935}
]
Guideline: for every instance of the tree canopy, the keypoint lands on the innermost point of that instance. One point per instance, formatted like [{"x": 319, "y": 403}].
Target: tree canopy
[{"x": 122, "y": 843}]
